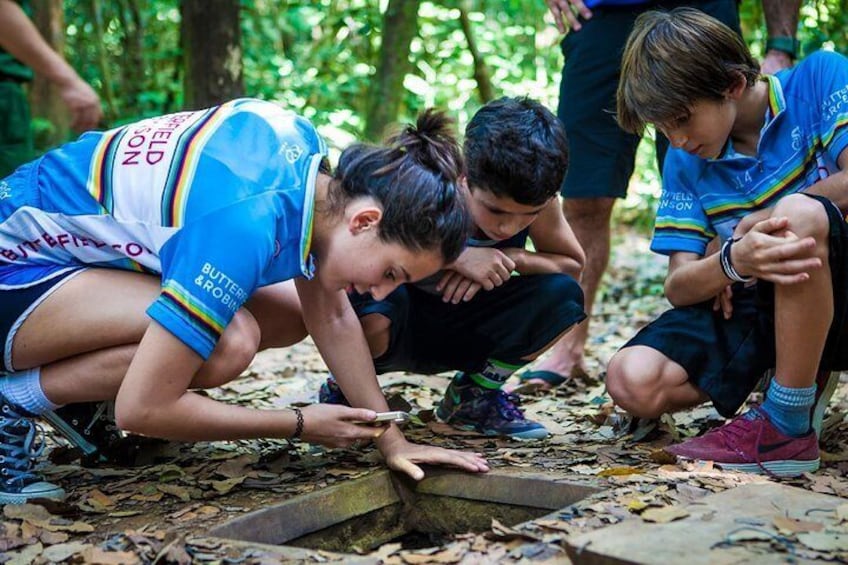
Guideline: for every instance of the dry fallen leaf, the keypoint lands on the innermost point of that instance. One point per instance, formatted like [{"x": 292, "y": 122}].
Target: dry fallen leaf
[
  {"x": 664, "y": 514},
  {"x": 25, "y": 556},
  {"x": 99, "y": 500},
  {"x": 791, "y": 526},
  {"x": 103, "y": 557},
  {"x": 636, "y": 505},
  {"x": 225, "y": 486},
  {"x": 452, "y": 554},
  {"x": 620, "y": 471},
  {"x": 60, "y": 552},
  {"x": 175, "y": 490}
]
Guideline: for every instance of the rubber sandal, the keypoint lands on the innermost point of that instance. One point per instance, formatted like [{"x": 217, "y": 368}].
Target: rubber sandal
[{"x": 539, "y": 380}]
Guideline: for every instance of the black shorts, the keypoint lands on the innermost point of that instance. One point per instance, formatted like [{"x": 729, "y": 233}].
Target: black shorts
[
  {"x": 726, "y": 358},
  {"x": 508, "y": 323},
  {"x": 602, "y": 154},
  {"x": 16, "y": 304}
]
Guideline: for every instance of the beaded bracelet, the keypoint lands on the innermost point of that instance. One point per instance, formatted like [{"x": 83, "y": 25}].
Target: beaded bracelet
[
  {"x": 298, "y": 429},
  {"x": 727, "y": 264}
]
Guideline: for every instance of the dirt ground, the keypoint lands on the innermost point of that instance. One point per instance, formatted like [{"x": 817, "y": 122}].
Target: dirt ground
[{"x": 160, "y": 510}]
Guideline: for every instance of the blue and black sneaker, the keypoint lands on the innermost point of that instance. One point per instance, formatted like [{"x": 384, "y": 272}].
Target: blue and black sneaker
[
  {"x": 21, "y": 442},
  {"x": 491, "y": 412},
  {"x": 331, "y": 393}
]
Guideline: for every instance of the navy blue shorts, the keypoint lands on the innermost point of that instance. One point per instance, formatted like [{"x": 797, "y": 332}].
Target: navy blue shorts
[
  {"x": 726, "y": 358},
  {"x": 17, "y": 303},
  {"x": 602, "y": 154},
  {"x": 512, "y": 321}
]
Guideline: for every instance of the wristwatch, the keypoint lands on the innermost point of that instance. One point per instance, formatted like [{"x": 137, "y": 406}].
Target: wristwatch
[{"x": 788, "y": 45}]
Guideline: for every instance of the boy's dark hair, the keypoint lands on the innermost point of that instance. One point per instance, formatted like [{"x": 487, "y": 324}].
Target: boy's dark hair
[
  {"x": 516, "y": 147},
  {"x": 672, "y": 60},
  {"x": 413, "y": 176}
]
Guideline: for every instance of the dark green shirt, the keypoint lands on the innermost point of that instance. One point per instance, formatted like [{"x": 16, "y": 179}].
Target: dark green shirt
[{"x": 11, "y": 67}]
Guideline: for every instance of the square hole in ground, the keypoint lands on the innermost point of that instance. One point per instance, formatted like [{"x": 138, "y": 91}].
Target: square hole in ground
[{"x": 361, "y": 515}]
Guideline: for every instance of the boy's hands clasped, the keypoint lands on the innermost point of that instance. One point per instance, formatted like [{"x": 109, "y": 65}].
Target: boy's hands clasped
[
  {"x": 767, "y": 250},
  {"x": 477, "y": 268},
  {"x": 771, "y": 252}
]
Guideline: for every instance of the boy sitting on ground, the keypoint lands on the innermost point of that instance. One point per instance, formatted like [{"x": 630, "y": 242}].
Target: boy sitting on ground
[
  {"x": 499, "y": 306},
  {"x": 759, "y": 162}
]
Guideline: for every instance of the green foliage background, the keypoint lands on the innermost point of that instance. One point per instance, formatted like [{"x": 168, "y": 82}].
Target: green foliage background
[{"x": 317, "y": 57}]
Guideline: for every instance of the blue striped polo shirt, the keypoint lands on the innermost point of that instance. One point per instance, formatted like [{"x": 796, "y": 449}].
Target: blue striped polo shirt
[
  {"x": 804, "y": 134},
  {"x": 217, "y": 202}
]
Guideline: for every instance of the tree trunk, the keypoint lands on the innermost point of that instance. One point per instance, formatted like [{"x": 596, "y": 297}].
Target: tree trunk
[
  {"x": 400, "y": 24},
  {"x": 212, "y": 53},
  {"x": 44, "y": 96},
  {"x": 133, "y": 81},
  {"x": 108, "y": 92},
  {"x": 481, "y": 72}
]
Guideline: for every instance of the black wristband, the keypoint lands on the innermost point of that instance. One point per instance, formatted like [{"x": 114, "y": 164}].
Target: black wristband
[
  {"x": 788, "y": 45},
  {"x": 727, "y": 263},
  {"x": 298, "y": 429}
]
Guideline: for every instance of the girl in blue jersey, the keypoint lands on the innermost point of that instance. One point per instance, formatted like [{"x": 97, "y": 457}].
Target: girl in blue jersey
[{"x": 140, "y": 263}]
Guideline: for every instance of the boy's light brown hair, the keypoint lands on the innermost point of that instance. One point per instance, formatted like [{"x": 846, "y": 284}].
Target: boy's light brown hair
[{"x": 673, "y": 59}]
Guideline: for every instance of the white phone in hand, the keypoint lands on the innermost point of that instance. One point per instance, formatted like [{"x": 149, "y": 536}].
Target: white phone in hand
[{"x": 395, "y": 416}]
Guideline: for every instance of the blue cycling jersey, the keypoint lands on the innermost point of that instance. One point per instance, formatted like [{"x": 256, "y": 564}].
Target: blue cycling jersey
[
  {"x": 805, "y": 133},
  {"x": 219, "y": 202}
]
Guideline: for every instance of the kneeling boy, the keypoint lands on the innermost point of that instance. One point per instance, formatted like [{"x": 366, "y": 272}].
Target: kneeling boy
[{"x": 499, "y": 306}]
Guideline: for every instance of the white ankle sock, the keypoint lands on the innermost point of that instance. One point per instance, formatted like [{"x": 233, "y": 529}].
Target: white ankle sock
[{"x": 23, "y": 389}]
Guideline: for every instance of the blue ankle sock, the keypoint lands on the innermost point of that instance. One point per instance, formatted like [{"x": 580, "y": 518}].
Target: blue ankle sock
[
  {"x": 789, "y": 408},
  {"x": 23, "y": 389}
]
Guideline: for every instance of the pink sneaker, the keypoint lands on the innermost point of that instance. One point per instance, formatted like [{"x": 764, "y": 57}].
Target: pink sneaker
[{"x": 752, "y": 444}]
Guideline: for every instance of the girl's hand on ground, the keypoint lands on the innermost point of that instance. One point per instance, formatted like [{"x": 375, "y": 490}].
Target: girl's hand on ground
[
  {"x": 405, "y": 457},
  {"x": 773, "y": 253},
  {"x": 724, "y": 302},
  {"x": 334, "y": 425}
]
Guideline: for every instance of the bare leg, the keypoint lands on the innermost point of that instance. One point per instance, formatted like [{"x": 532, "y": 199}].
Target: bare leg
[
  {"x": 647, "y": 384},
  {"x": 803, "y": 311},
  {"x": 377, "y": 333},
  {"x": 97, "y": 309},
  {"x": 589, "y": 217},
  {"x": 277, "y": 311},
  {"x": 103, "y": 317}
]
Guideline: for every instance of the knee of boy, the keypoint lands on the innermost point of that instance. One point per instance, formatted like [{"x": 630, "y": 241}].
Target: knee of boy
[
  {"x": 560, "y": 290},
  {"x": 627, "y": 383},
  {"x": 807, "y": 216}
]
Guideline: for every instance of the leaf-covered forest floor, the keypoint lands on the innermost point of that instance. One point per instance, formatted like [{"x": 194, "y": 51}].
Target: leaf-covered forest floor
[{"x": 160, "y": 511}]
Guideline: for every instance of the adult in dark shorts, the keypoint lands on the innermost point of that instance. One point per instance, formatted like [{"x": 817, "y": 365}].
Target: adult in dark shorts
[{"x": 602, "y": 154}]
